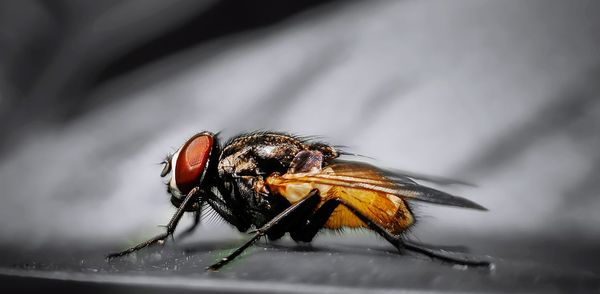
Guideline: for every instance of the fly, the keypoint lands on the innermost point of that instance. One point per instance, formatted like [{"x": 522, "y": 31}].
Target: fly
[{"x": 272, "y": 183}]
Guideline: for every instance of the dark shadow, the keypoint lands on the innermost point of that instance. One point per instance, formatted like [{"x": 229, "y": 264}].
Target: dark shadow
[
  {"x": 348, "y": 248},
  {"x": 225, "y": 17}
]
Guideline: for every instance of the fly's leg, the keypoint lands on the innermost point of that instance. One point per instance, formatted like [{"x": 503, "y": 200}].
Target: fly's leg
[
  {"x": 444, "y": 255},
  {"x": 308, "y": 229},
  {"x": 311, "y": 199},
  {"x": 170, "y": 228},
  {"x": 316, "y": 221},
  {"x": 195, "y": 223},
  {"x": 296, "y": 217}
]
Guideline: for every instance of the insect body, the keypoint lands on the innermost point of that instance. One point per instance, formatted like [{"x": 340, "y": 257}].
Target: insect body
[{"x": 278, "y": 183}]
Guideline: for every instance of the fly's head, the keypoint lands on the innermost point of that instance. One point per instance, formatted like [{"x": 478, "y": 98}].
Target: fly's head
[{"x": 192, "y": 165}]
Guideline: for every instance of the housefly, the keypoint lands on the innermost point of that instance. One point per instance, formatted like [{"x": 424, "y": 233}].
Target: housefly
[{"x": 274, "y": 183}]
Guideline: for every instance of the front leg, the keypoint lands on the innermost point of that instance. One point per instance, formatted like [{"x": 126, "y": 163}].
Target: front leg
[
  {"x": 160, "y": 239},
  {"x": 312, "y": 199},
  {"x": 195, "y": 223}
]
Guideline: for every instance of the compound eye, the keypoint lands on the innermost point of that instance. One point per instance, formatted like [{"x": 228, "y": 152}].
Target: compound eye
[
  {"x": 166, "y": 167},
  {"x": 192, "y": 161}
]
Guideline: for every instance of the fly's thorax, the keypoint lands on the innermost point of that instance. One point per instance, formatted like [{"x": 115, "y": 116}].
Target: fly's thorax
[
  {"x": 251, "y": 197},
  {"x": 269, "y": 142},
  {"x": 237, "y": 164},
  {"x": 225, "y": 166},
  {"x": 259, "y": 153}
]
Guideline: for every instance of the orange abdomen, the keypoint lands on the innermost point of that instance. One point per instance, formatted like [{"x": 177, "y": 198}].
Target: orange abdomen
[{"x": 389, "y": 211}]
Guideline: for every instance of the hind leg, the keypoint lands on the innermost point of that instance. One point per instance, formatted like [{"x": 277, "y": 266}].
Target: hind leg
[{"x": 315, "y": 222}]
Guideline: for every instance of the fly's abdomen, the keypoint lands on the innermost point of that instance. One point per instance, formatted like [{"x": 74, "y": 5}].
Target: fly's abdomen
[{"x": 389, "y": 211}]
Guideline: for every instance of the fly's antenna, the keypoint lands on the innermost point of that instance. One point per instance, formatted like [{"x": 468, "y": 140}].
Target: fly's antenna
[{"x": 166, "y": 158}]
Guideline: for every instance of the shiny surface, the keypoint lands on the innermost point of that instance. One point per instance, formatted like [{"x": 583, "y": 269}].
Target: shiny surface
[{"x": 355, "y": 262}]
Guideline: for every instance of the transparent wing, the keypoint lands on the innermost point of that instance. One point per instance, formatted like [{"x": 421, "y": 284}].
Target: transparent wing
[
  {"x": 364, "y": 176},
  {"x": 406, "y": 175},
  {"x": 409, "y": 177}
]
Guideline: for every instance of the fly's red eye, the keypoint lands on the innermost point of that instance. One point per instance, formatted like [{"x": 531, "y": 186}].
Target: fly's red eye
[{"x": 192, "y": 160}]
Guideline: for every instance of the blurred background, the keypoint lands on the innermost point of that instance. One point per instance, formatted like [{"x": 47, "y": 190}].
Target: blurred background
[{"x": 503, "y": 94}]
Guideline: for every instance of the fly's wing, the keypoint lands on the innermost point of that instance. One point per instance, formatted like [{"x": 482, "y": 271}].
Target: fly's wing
[
  {"x": 408, "y": 176},
  {"x": 404, "y": 176},
  {"x": 367, "y": 177}
]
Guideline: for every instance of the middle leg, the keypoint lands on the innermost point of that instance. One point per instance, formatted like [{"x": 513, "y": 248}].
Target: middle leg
[
  {"x": 170, "y": 227},
  {"x": 311, "y": 199}
]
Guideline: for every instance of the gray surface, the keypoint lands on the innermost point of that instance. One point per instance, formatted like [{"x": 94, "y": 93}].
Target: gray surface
[
  {"x": 329, "y": 265},
  {"x": 500, "y": 93}
]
